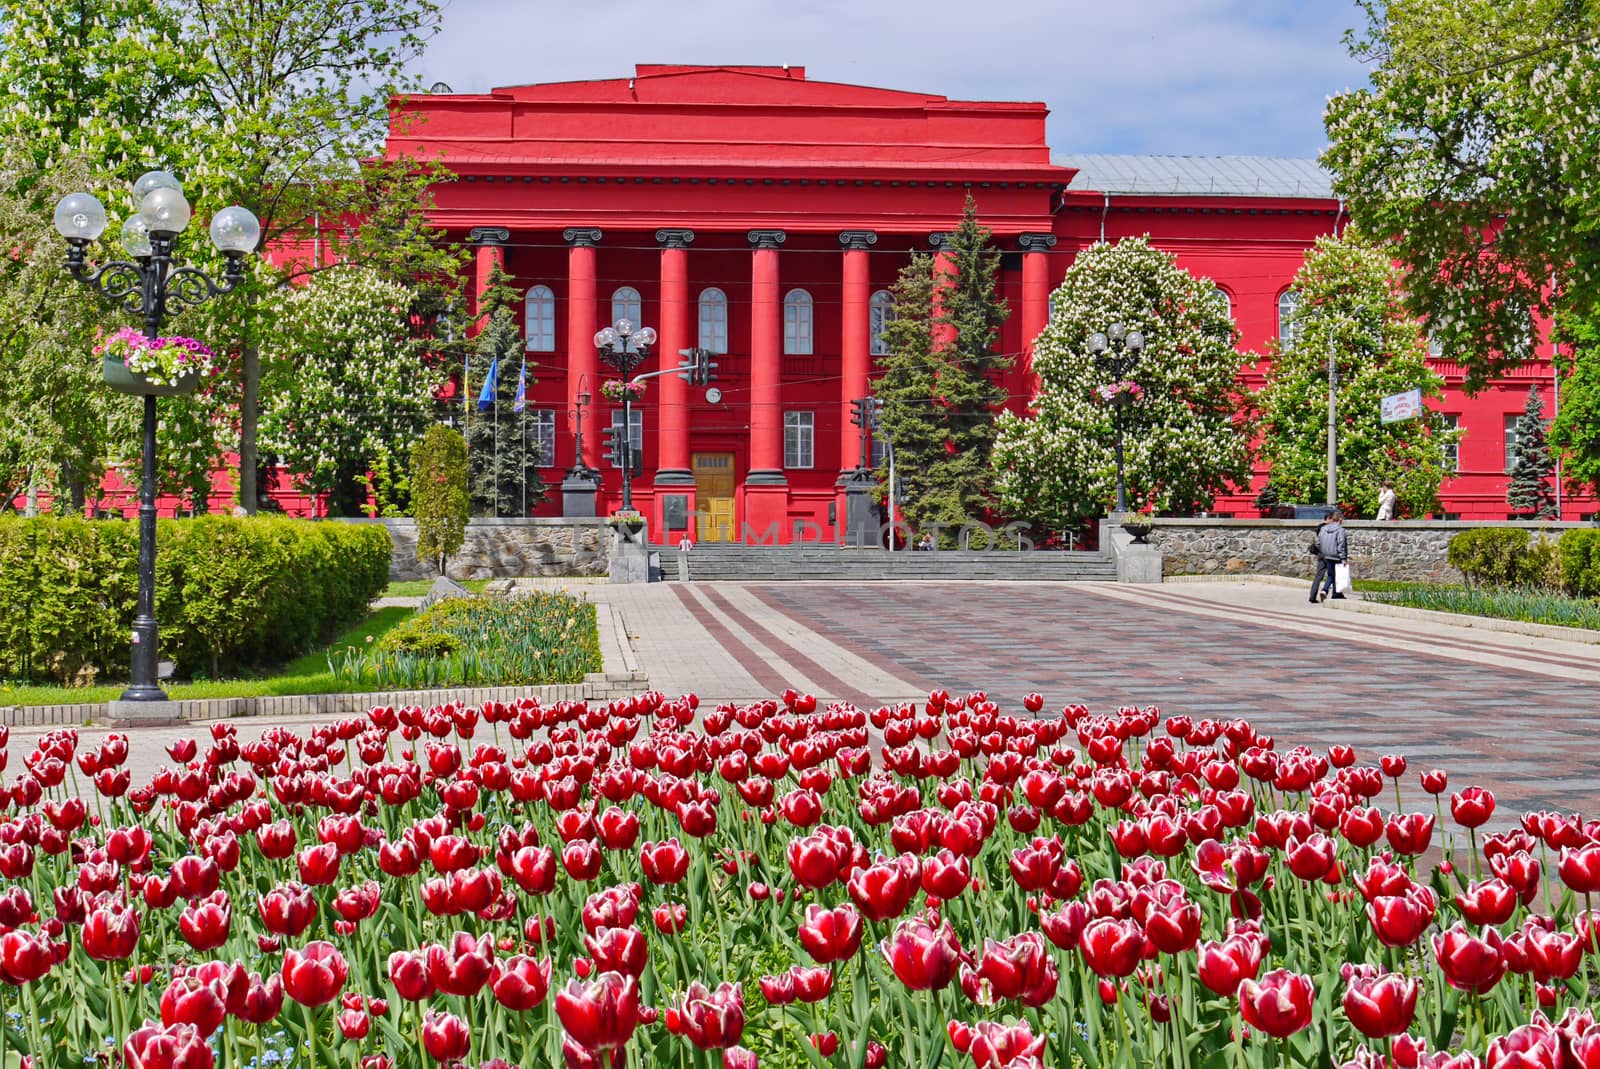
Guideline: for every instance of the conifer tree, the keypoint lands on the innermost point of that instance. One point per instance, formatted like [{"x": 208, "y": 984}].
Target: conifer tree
[
  {"x": 1532, "y": 466},
  {"x": 940, "y": 380},
  {"x": 503, "y": 453}
]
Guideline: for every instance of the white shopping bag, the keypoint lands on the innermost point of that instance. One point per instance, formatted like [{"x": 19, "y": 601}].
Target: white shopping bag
[{"x": 1341, "y": 577}]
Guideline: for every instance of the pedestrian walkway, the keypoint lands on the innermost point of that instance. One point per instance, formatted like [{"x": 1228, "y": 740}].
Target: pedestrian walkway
[{"x": 1509, "y": 711}]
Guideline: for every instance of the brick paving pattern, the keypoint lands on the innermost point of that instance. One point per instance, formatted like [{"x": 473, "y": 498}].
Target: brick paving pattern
[
  {"x": 1511, "y": 712},
  {"x": 1333, "y": 678}
]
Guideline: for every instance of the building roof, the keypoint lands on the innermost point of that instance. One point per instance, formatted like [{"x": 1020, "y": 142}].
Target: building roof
[{"x": 1219, "y": 176}]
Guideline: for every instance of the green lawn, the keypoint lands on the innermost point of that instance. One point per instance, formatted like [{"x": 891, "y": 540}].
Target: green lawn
[
  {"x": 307, "y": 675},
  {"x": 416, "y": 588}
]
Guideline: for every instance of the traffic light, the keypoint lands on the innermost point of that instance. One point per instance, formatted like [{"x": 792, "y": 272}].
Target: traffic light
[
  {"x": 706, "y": 368},
  {"x": 858, "y": 412},
  {"x": 617, "y": 446},
  {"x": 875, "y": 412},
  {"x": 697, "y": 368}
]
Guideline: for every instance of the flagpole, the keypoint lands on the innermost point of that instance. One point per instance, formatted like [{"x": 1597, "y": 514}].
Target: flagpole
[{"x": 522, "y": 429}]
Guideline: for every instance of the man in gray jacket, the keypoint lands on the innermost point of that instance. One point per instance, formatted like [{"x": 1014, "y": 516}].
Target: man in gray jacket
[{"x": 1331, "y": 550}]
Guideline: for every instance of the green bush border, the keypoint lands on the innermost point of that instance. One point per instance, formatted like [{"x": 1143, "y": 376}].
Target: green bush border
[{"x": 232, "y": 593}]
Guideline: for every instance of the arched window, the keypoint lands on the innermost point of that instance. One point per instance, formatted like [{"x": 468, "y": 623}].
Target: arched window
[
  {"x": 797, "y": 323},
  {"x": 1227, "y": 301},
  {"x": 713, "y": 320},
  {"x": 540, "y": 309},
  {"x": 626, "y": 304},
  {"x": 880, "y": 314},
  {"x": 1288, "y": 329}
]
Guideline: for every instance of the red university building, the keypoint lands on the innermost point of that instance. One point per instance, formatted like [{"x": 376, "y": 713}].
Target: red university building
[{"x": 762, "y": 216}]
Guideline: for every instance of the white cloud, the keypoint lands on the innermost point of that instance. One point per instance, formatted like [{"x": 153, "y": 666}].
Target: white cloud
[{"x": 1168, "y": 76}]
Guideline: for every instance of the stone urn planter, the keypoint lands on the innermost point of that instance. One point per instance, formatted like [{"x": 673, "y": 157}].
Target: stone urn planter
[{"x": 1140, "y": 530}]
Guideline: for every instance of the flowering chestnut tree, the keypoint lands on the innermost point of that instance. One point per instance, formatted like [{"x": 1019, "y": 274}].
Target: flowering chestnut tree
[
  {"x": 1350, "y": 298},
  {"x": 344, "y": 379},
  {"x": 1184, "y": 437},
  {"x": 1472, "y": 149}
]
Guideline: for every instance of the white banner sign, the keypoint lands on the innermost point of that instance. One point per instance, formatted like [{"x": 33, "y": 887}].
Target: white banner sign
[{"x": 1402, "y": 406}]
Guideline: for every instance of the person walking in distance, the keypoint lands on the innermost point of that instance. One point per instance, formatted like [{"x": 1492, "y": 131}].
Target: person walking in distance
[
  {"x": 1332, "y": 550},
  {"x": 1387, "y": 501},
  {"x": 685, "y": 544}
]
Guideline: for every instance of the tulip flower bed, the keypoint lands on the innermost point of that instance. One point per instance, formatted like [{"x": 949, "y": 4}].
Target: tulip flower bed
[{"x": 655, "y": 883}]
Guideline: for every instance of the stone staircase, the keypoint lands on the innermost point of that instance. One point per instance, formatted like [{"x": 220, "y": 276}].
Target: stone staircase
[{"x": 709, "y": 562}]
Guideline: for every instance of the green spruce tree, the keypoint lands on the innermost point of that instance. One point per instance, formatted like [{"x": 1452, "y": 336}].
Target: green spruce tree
[
  {"x": 1532, "y": 466},
  {"x": 503, "y": 453},
  {"x": 940, "y": 380}
]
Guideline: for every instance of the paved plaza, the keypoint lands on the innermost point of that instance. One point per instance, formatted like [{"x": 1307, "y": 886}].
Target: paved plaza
[
  {"x": 1508, "y": 711},
  {"x": 1511, "y": 712}
]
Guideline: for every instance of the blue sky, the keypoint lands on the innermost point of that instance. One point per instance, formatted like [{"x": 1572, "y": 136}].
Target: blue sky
[{"x": 1203, "y": 77}]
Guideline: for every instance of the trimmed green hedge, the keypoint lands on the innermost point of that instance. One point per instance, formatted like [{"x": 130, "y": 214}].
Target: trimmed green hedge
[
  {"x": 1493, "y": 556},
  {"x": 231, "y": 593},
  {"x": 1510, "y": 558},
  {"x": 1580, "y": 562}
]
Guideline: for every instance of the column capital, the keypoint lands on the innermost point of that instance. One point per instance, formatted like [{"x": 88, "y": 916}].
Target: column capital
[
  {"x": 583, "y": 237},
  {"x": 1033, "y": 241},
  {"x": 674, "y": 238},
  {"x": 489, "y": 235},
  {"x": 858, "y": 239},
  {"x": 939, "y": 240},
  {"x": 766, "y": 239}
]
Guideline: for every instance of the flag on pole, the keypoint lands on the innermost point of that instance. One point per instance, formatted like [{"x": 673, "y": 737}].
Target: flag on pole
[
  {"x": 486, "y": 398},
  {"x": 521, "y": 400}
]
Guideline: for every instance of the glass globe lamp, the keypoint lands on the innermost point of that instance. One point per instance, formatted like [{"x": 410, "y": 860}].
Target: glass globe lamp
[
  {"x": 235, "y": 230},
  {"x": 80, "y": 217},
  {"x": 165, "y": 211},
  {"x": 136, "y": 237}
]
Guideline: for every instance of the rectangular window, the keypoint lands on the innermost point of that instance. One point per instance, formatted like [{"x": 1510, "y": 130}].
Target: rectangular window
[
  {"x": 1511, "y": 439},
  {"x": 880, "y": 450},
  {"x": 635, "y": 436},
  {"x": 1452, "y": 448},
  {"x": 798, "y": 436},
  {"x": 542, "y": 433}
]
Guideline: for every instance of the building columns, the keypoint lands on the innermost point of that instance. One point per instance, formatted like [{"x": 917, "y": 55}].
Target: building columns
[
  {"x": 673, "y": 476},
  {"x": 944, "y": 278},
  {"x": 490, "y": 254},
  {"x": 582, "y": 359},
  {"x": 766, "y": 497},
  {"x": 1035, "y": 303},
  {"x": 672, "y": 465},
  {"x": 855, "y": 344},
  {"x": 766, "y": 360}
]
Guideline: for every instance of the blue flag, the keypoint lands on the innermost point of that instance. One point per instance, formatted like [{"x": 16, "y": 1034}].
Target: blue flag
[
  {"x": 521, "y": 400},
  {"x": 486, "y": 398}
]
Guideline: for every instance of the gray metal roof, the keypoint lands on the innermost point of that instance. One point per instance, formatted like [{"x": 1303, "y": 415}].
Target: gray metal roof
[{"x": 1221, "y": 176}]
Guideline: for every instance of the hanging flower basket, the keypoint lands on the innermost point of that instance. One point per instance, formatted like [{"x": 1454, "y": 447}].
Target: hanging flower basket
[
  {"x": 619, "y": 391},
  {"x": 162, "y": 367},
  {"x": 1125, "y": 392}
]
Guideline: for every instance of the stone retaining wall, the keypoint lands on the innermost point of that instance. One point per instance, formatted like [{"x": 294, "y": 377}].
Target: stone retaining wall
[
  {"x": 507, "y": 549},
  {"x": 1396, "y": 550}
]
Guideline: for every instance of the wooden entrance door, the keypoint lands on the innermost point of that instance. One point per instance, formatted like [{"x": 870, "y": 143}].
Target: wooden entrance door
[{"x": 713, "y": 490}]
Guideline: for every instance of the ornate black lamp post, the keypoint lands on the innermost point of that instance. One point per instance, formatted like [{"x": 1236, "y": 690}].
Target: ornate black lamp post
[
  {"x": 624, "y": 348},
  {"x": 150, "y": 286},
  {"x": 1117, "y": 350}
]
